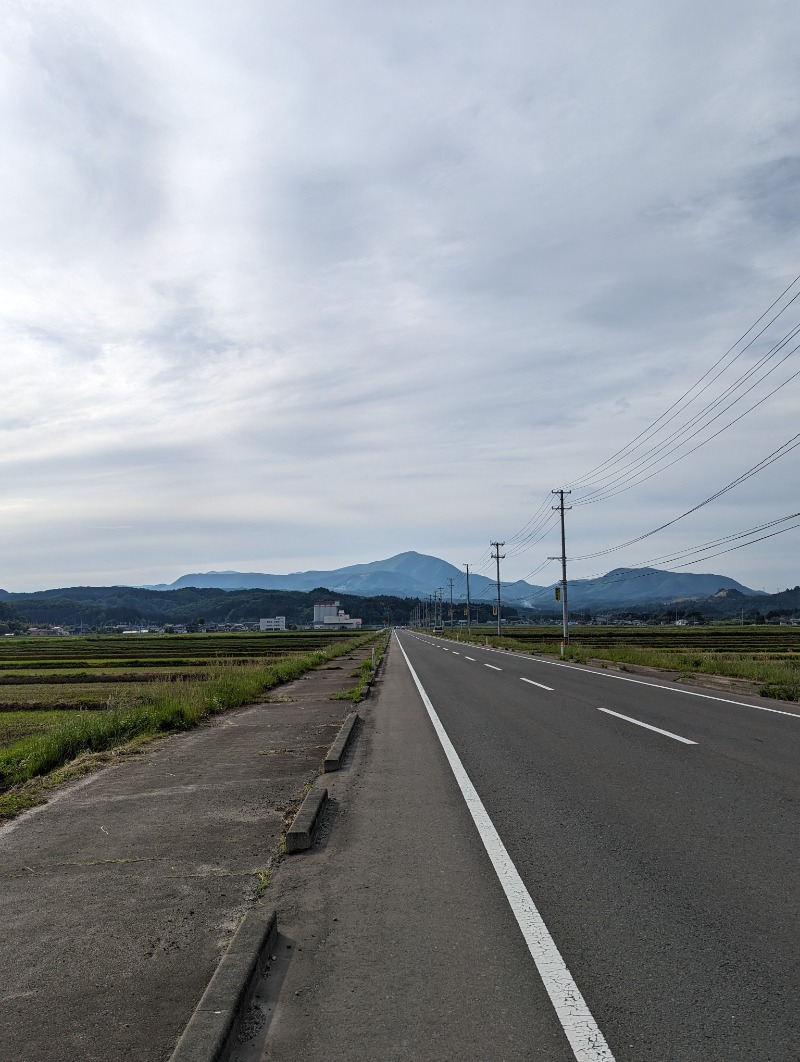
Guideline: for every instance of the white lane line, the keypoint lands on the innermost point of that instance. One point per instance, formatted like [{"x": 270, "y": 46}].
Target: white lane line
[
  {"x": 455, "y": 653},
  {"x": 493, "y": 667},
  {"x": 587, "y": 1042},
  {"x": 647, "y": 726},
  {"x": 652, "y": 685},
  {"x": 539, "y": 684},
  {"x": 472, "y": 658},
  {"x": 670, "y": 689}
]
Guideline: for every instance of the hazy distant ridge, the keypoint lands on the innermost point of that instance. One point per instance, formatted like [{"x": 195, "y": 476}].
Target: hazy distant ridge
[{"x": 414, "y": 574}]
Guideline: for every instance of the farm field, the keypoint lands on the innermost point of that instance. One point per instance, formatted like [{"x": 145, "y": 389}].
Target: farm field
[
  {"x": 766, "y": 656},
  {"x": 61, "y": 697}
]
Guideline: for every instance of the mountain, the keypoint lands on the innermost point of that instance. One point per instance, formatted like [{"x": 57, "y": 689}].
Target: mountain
[
  {"x": 378, "y": 589},
  {"x": 414, "y": 574},
  {"x": 634, "y": 586},
  {"x": 406, "y": 574}
]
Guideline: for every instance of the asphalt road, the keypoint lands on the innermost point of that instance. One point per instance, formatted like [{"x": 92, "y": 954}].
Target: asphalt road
[
  {"x": 658, "y": 844},
  {"x": 511, "y": 871}
]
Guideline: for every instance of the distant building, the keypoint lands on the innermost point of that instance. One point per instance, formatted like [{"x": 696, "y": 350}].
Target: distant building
[
  {"x": 277, "y": 623},
  {"x": 328, "y": 616}
]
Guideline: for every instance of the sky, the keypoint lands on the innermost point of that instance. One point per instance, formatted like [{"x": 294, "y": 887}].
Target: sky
[{"x": 291, "y": 286}]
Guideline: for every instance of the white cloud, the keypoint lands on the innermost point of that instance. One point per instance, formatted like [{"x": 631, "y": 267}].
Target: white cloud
[{"x": 295, "y": 287}]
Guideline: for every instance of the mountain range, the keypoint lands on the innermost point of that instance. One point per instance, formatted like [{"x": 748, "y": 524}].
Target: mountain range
[{"x": 414, "y": 574}]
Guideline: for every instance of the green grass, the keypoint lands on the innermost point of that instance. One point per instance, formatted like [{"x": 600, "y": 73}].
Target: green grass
[
  {"x": 14, "y": 726},
  {"x": 364, "y": 674},
  {"x": 160, "y": 708},
  {"x": 66, "y": 695}
]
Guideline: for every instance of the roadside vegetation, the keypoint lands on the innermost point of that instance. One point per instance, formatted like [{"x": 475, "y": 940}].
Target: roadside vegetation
[
  {"x": 364, "y": 673},
  {"x": 767, "y": 657},
  {"x": 39, "y": 742}
]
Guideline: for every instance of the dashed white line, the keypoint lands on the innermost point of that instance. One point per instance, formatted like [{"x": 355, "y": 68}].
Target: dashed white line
[
  {"x": 541, "y": 685},
  {"x": 493, "y": 667},
  {"x": 472, "y": 658},
  {"x": 587, "y": 1042},
  {"x": 647, "y": 726},
  {"x": 652, "y": 685}
]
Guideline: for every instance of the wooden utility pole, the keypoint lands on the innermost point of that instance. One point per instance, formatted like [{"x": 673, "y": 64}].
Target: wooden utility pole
[
  {"x": 498, "y": 556},
  {"x": 564, "y": 611}
]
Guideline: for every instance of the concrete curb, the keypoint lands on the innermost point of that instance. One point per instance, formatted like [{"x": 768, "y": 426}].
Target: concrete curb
[
  {"x": 333, "y": 760},
  {"x": 211, "y": 1033},
  {"x": 300, "y": 834}
]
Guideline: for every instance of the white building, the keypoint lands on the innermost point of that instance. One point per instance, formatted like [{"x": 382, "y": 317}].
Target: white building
[
  {"x": 278, "y": 623},
  {"x": 328, "y": 616}
]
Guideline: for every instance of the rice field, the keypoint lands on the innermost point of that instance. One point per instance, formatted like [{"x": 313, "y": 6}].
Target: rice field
[{"x": 64, "y": 696}]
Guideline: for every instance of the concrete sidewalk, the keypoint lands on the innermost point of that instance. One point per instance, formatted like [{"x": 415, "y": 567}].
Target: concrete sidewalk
[{"x": 118, "y": 897}]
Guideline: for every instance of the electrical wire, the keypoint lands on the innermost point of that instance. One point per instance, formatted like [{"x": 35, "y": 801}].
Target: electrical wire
[
  {"x": 635, "y": 476},
  {"x": 682, "y": 403},
  {"x": 765, "y": 462}
]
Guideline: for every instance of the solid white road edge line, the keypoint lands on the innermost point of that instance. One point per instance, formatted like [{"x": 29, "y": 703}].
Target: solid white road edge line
[
  {"x": 587, "y": 1042},
  {"x": 652, "y": 685},
  {"x": 541, "y": 685},
  {"x": 647, "y": 726}
]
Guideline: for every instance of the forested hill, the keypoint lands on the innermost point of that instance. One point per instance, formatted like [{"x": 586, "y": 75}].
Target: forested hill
[{"x": 96, "y": 606}]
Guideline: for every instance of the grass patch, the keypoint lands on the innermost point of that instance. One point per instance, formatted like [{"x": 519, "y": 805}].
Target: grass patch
[
  {"x": 263, "y": 882},
  {"x": 363, "y": 674},
  {"x": 14, "y": 726}
]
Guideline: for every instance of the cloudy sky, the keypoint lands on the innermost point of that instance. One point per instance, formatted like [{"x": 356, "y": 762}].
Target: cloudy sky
[{"x": 291, "y": 286}]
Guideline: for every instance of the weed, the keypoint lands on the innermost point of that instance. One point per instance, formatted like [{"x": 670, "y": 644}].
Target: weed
[
  {"x": 364, "y": 674},
  {"x": 263, "y": 882}
]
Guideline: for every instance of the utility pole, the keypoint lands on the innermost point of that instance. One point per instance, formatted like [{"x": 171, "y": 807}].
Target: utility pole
[
  {"x": 439, "y": 593},
  {"x": 469, "y": 607},
  {"x": 450, "y": 581},
  {"x": 564, "y": 610},
  {"x": 498, "y": 556}
]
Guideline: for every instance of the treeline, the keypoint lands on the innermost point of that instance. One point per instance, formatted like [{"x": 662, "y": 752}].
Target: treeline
[
  {"x": 10, "y": 620},
  {"x": 100, "y": 606}
]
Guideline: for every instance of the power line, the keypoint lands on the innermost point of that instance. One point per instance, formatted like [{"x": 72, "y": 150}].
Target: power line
[
  {"x": 681, "y": 402},
  {"x": 656, "y": 456},
  {"x": 765, "y": 462}
]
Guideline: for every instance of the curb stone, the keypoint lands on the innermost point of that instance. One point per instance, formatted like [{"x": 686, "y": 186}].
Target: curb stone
[
  {"x": 333, "y": 759},
  {"x": 210, "y": 1035},
  {"x": 300, "y": 834}
]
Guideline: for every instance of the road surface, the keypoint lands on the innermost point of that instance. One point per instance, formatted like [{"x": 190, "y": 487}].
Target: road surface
[{"x": 538, "y": 860}]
